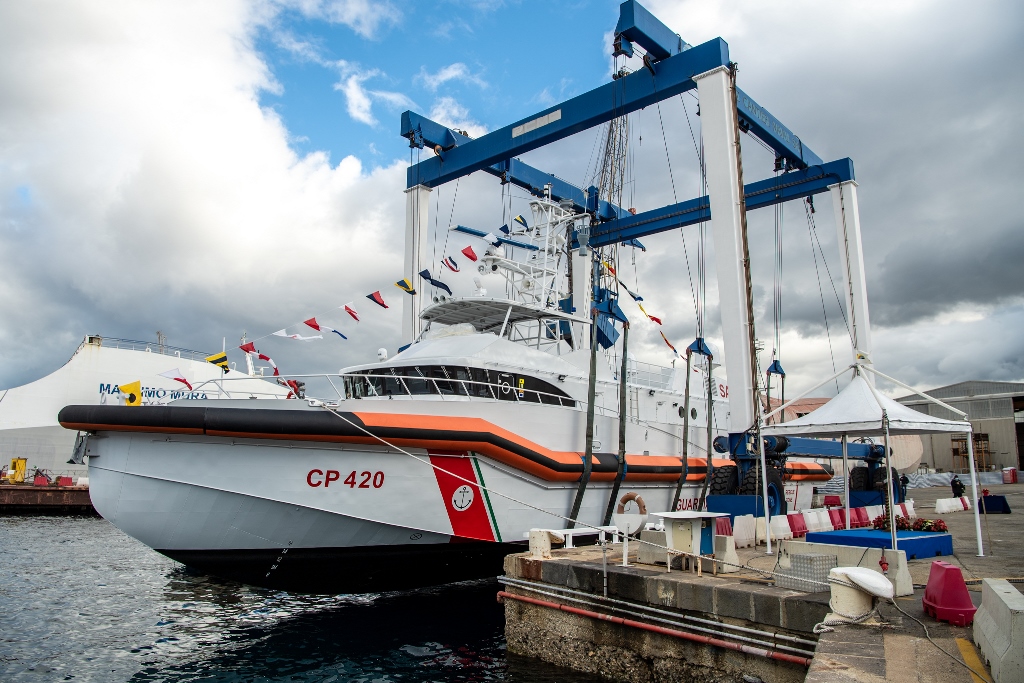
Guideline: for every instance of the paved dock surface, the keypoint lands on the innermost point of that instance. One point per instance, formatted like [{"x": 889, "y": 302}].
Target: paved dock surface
[{"x": 898, "y": 651}]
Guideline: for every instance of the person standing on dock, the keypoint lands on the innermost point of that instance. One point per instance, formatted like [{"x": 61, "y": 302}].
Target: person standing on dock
[{"x": 957, "y": 486}]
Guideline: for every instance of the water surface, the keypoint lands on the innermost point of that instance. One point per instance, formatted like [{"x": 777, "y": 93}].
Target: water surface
[{"x": 81, "y": 601}]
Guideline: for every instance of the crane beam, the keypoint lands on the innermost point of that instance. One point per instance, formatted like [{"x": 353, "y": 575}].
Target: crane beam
[
  {"x": 792, "y": 185},
  {"x": 662, "y": 81}
]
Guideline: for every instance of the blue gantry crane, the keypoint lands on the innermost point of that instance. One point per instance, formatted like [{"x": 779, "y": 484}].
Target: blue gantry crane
[{"x": 670, "y": 67}]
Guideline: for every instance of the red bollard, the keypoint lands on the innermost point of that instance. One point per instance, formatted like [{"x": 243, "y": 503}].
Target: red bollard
[
  {"x": 723, "y": 527},
  {"x": 946, "y": 597}
]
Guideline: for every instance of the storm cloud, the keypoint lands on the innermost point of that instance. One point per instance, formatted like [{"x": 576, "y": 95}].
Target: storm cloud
[{"x": 143, "y": 186}]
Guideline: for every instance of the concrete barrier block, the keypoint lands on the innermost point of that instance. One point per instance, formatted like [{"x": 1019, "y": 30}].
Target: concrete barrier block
[
  {"x": 743, "y": 530},
  {"x": 999, "y": 629},
  {"x": 651, "y": 554},
  {"x": 725, "y": 550},
  {"x": 944, "y": 506},
  {"x": 760, "y": 531},
  {"x": 811, "y": 520},
  {"x": 780, "y": 528},
  {"x": 824, "y": 520}
]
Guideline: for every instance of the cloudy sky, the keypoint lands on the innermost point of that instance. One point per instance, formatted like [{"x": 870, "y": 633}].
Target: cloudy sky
[{"x": 206, "y": 169}]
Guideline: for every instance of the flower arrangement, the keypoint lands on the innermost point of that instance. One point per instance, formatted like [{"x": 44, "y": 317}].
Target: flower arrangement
[
  {"x": 937, "y": 525},
  {"x": 881, "y": 523}
]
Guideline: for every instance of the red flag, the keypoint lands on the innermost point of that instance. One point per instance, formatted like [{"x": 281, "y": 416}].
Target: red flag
[
  {"x": 352, "y": 312},
  {"x": 250, "y": 348},
  {"x": 177, "y": 377},
  {"x": 377, "y": 299},
  {"x": 313, "y": 323},
  {"x": 470, "y": 254},
  {"x": 657, "y": 320},
  {"x": 668, "y": 342}
]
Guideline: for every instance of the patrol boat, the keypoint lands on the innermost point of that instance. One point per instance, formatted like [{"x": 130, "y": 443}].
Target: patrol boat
[{"x": 434, "y": 463}]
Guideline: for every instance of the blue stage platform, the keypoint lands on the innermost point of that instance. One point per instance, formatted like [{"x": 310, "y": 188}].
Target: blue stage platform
[{"x": 917, "y": 544}]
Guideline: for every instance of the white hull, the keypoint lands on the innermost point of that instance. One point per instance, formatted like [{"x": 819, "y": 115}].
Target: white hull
[{"x": 229, "y": 506}]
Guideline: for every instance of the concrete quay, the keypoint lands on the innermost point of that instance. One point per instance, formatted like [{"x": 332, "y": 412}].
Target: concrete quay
[
  {"x": 625, "y": 654},
  {"x": 588, "y": 633},
  {"x": 45, "y": 500}
]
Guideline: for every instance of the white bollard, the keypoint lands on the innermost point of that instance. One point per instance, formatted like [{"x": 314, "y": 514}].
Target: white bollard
[
  {"x": 853, "y": 593},
  {"x": 540, "y": 543}
]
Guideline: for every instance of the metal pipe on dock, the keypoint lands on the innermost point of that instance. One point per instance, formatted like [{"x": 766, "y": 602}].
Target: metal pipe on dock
[
  {"x": 526, "y": 585},
  {"x": 704, "y": 640}
]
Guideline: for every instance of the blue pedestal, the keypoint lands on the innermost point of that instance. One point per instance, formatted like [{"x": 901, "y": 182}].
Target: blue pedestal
[
  {"x": 736, "y": 505},
  {"x": 995, "y": 505},
  {"x": 917, "y": 544},
  {"x": 862, "y": 499}
]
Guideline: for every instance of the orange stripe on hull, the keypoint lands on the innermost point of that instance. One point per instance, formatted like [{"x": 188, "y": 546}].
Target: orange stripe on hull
[{"x": 425, "y": 432}]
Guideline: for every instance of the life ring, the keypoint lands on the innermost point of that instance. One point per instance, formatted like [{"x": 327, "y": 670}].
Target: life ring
[{"x": 621, "y": 509}]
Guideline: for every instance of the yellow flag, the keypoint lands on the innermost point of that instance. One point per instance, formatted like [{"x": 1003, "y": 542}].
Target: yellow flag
[
  {"x": 132, "y": 393},
  {"x": 220, "y": 360}
]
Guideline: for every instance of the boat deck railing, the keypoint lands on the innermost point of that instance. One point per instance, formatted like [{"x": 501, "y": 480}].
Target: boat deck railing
[
  {"x": 642, "y": 374},
  {"x": 333, "y": 390},
  {"x": 442, "y": 389},
  {"x": 150, "y": 347}
]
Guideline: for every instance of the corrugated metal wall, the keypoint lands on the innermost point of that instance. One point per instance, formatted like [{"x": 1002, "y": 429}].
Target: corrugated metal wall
[{"x": 1002, "y": 435}]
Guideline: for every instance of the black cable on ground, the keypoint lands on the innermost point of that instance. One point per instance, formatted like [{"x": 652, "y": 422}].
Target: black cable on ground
[{"x": 981, "y": 675}]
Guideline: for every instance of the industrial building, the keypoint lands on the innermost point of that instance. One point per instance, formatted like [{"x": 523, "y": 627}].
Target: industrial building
[{"x": 996, "y": 413}]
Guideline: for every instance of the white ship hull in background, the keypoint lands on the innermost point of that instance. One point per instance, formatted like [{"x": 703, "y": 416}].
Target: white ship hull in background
[{"x": 28, "y": 413}]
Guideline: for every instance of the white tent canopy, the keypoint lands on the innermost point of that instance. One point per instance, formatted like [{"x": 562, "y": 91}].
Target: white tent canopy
[
  {"x": 860, "y": 410},
  {"x": 857, "y": 411}
]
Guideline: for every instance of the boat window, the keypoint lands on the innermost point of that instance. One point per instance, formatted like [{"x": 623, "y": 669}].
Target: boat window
[
  {"x": 462, "y": 375},
  {"x": 516, "y": 387},
  {"x": 451, "y": 380},
  {"x": 416, "y": 381},
  {"x": 482, "y": 384},
  {"x": 392, "y": 386}
]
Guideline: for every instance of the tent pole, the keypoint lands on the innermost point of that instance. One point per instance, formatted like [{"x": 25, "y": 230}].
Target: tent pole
[
  {"x": 767, "y": 512},
  {"x": 888, "y": 480},
  {"x": 974, "y": 490},
  {"x": 846, "y": 483},
  {"x": 914, "y": 391}
]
